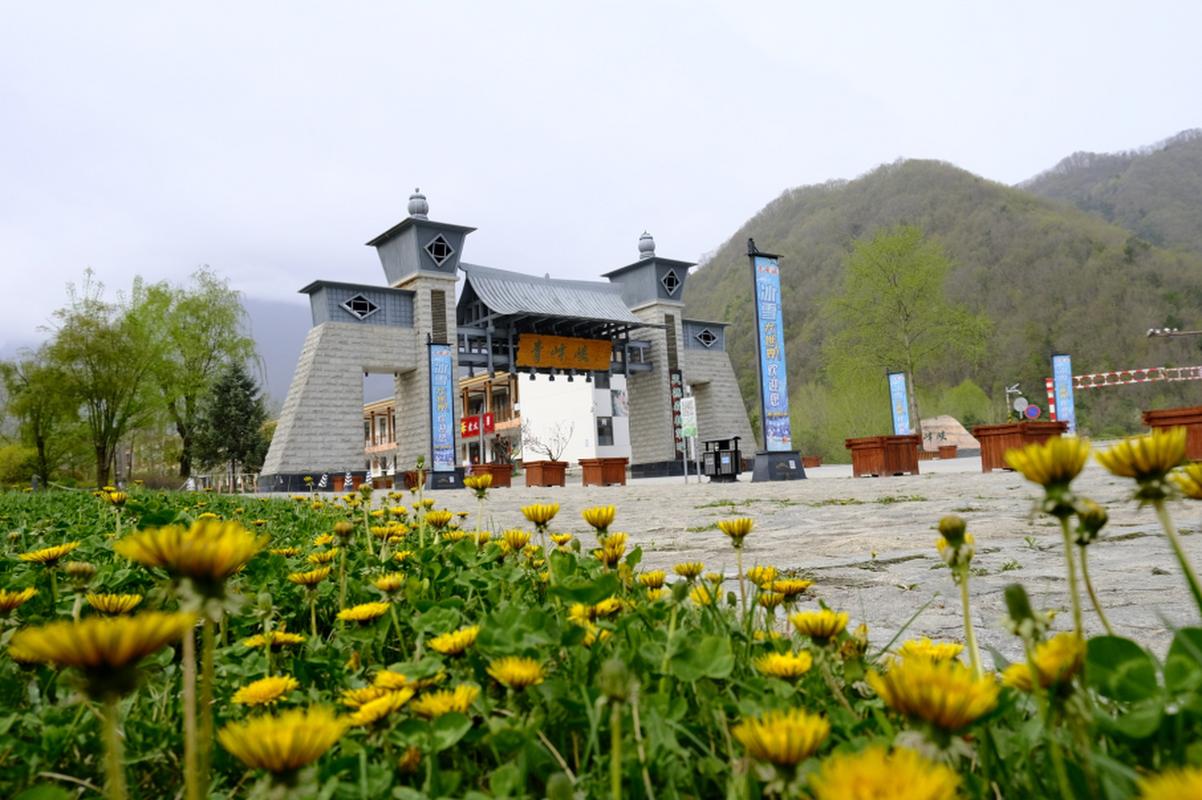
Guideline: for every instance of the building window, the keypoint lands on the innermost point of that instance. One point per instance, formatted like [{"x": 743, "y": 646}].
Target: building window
[
  {"x": 670, "y": 281},
  {"x": 601, "y": 380},
  {"x": 605, "y": 431},
  {"x": 440, "y": 249},
  {"x": 706, "y": 337},
  {"x": 360, "y": 307}
]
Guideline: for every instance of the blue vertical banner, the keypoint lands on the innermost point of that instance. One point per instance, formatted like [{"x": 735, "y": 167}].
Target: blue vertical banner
[
  {"x": 442, "y": 408},
  {"x": 1062, "y": 387},
  {"x": 899, "y": 404},
  {"x": 774, "y": 384}
]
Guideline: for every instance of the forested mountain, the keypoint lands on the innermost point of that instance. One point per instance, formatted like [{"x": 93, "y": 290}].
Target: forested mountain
[
  {"x": 1155, "y": 192},
  {"x": 1049, "y": 278}
]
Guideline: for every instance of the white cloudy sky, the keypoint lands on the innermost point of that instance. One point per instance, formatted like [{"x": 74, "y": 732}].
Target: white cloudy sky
[{"x": 270, "y": 140}]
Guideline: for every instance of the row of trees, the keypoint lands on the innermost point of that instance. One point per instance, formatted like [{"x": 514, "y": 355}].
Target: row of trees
[{"x": 161, "y": 357}]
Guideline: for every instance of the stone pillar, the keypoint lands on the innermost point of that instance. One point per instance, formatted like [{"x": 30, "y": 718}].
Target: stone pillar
[
  {"x": 413, "y": 386},
  {"x": 652, "y": 444}
]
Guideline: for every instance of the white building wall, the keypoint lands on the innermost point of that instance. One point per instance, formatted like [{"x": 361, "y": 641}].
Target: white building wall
[{"x": 546, "y": 403}]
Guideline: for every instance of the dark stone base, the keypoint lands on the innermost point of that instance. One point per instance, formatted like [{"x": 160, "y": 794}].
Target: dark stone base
[
  {"x": 660, "y": 469},
  {"x": 445, "y": 480},
  {"x": 778, "y": 466},
  {"x": 295, "y": 482}
]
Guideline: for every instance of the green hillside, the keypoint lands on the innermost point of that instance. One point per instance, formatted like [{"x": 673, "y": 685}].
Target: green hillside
[
  {"x": 1155, "y": 192},
  {"x": 1050, "y": 277}
]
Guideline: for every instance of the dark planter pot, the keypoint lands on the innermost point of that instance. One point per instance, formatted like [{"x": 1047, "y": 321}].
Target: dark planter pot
[
  {"x": 883, "y": 455},
  {"x": 809, "y": 462},
  {"x": 502, "y": 474},
  {"x": 603, "y": 471},
  {"x": 947, "y": 451},
  {"x": 411, "y": 478},
  {"x": 545, "y": 473},
  {"x": 1188, "y": 417},
  {"x": 997, "y": 439}
]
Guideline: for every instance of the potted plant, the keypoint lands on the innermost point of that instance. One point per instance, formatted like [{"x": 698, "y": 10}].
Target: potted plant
[{"x": 551, "y": 443}]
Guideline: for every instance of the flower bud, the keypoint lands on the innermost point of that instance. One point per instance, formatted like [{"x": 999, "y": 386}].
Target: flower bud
[
  {"x": 952, "y": 528},
  {"x": 1091, "y": 518},
  {"x": 614, "y": 680}
]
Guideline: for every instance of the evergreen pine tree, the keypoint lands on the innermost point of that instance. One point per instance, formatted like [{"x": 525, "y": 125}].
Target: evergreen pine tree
[{"x": 230, "y": 432}]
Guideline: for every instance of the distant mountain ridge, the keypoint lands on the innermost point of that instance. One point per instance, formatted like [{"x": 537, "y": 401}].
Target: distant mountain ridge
[
  {"x": 1154, "y": 191},
  {"x": 1049, "y": 276}
]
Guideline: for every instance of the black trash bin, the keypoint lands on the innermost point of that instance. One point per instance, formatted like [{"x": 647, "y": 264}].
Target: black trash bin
[{"x": 722, "y": 461}]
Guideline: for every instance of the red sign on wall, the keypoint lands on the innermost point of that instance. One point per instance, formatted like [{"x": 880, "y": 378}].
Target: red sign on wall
[{"x": 470, "y": 426}]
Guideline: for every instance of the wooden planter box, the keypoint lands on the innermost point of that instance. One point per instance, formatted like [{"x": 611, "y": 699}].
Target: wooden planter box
[
  {"x": 947, "y": 451},
  {"x": 883, "y": 455},
  {"x": 603, "y": 471},
  {"x": 809, "y": 462},
  {"x": 545, "y": 473},
  {"x": 1189, "y": 417},
  {"x": 502, "y": 474},
  {"x": 411, "y": 478},
  {"x": 997, "y": 439}
]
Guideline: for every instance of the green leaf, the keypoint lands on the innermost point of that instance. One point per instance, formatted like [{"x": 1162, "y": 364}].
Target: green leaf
[
  {"x": 1183, "y": 664},
  {"x": 448, "y": 729},
  {"x": 44, "y": 791},
  {"x": 505, "y": 781},
  {"x": 708, "y": 657},
  {"x": 1140, "y": 722},
  {"x": 580, "y": 589},
  {"x": 1120, "y": 669},
  {"x": 437, "y": 620}
]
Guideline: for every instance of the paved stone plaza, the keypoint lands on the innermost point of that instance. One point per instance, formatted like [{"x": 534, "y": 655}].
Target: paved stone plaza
[{"x": 868, "y": 543}]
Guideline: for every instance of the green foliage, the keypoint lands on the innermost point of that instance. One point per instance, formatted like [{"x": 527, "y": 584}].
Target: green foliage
[
  {"x": 18, "y": 463},
  {"x": 1048, "y": 278},
  {"x": 229, "y": 427},
  {"x": 965, "y": 401},
  {"x": 48, "y": 419}
]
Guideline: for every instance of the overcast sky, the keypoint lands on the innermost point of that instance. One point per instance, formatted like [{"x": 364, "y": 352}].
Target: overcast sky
[{"x": 270, "y": 140}]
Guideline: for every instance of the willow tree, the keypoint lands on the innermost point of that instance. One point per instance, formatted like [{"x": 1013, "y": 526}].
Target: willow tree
[{"x": 893, "y": 312}]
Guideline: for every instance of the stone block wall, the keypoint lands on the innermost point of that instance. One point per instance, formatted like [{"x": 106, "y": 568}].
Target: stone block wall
[
  {"x": 321, "y": 424},
  {"x": 720, "y": 409},
  {"x": 651, "y": 438}
]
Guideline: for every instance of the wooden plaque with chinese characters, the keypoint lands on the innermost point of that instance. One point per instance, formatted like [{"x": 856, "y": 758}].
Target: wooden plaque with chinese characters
[{"x": 564, "y": 352}]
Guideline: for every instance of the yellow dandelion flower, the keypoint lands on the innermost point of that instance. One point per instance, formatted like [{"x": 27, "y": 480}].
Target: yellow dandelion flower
[
  {"x": 540, "y": 514},
  {"x": 434, "y": 704},
  {"x": 454, "y": 535},
  {"x": 355, "y": 698},
  {"x": 49, "y": 556},
  {"x": 105, "y": 649},
  {"x": 275, "y": 640},
  {"x": 689, "y": 569},
  {"x": 580, "y": 614},
  {"x": 282, "y": 744},
  {"x": 310, "y": 578},
  {"x": 1056, "y": 661},
  {"x": 1189, "y": 480},
  {"x": 715, "y": 578},
  {"x": 113, "y": 603},
  {"x": 790, "y": 587},
  {"x": 207, "y": 515},
  {"x": 770, "y": 600},
  {"x": 439, "y": 519},
  {"x": 265, "y": 691},
  {"x": 560, "y": 539},
  {"x": 387, "y": 679},
  {"x": 943, "y": 693},
  {"x": 402, "y": 555},
  {"x": 1146, "y": 458},
  {"x": 80, "y": 571},
  {"x": 287, "y": 552},
  {"x": 410, "y": 760},
  {"x": 455, "y": 642},
  {"x": 363, "y": 613},
  {"x": 607, "y": 607},
  {"x": 116, "y": 499},
  {"x": 599, "y": 517},
  {"x": 877, "y": 773},
  {"x": 391, "y": 583},
  {"x": 373, "y": 711},
  {"x": 208, "y": 551},
  {"x": 821, "y": 626},
  {"x": 515, "y": 672},
  {"x": 324, "y": 556},
  {"x": 1052, "y": 463},
  {"x": 761, "y": 576},
  {"x": 702, "y": 596},
  {"x": 653, "y": 579},
  {"x": 1183, "y": 783},
  {"x": 323, "y": 540},
  {"x": 478, "y": 483},
  {"x": 516, "y": 539},
  {"x": 787, "y": 666},
  {"x": 737, "y": 529},
  {"x": 655, "y": 595},
  {"x": 379, "y": 531},
  {"x": 612, "y": 549},
  {"x": 11, "y": 601},
  {"x": 783, "y": 738},
  {"x": 925, "y": 648}
]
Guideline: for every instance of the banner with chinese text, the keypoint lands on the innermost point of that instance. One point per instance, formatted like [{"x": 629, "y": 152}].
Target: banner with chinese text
[
  {"x": 676, "y": 387},
  {"x": 899, "y": 404},
  {"x": 564, "y": 352},
  {"x": 442, "y": 408},
  {"x": 1062, "y": 383},
  {"x": 774, "y": 385}
]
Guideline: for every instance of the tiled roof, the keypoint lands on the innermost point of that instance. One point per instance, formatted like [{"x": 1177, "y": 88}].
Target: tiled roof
[{"x": 513, "y": 293}]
